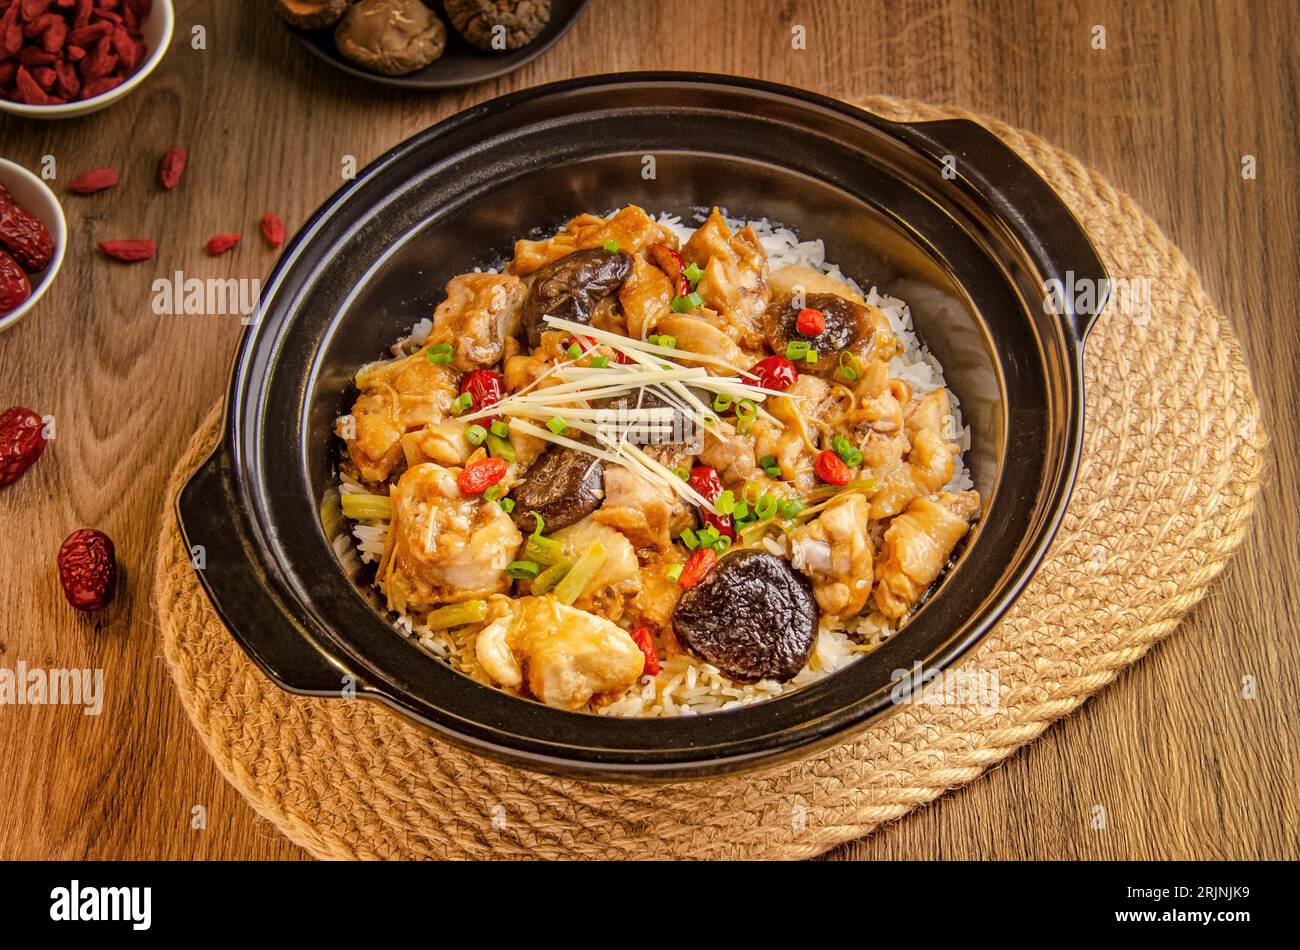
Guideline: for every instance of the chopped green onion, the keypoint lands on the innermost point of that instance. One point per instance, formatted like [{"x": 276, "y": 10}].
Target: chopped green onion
[
  {"x": 725, "y": 503},
  {"x": 683, "y": 304},
  {"x": 523, "y": 570},
  {"x": 457, "y": 615},
  {"x": 810, "y": 356},
  {"x": 500, "y": 429},
  {"x": 766, "y": 507},
  {"x": 849, "y": 373},
  {"x": 600, "y": 362},
  {"x": 610, "y": 245},
  {"x": 741, "y": 511},
  {"x": 841, "y": 445},
  {"x": 668, "y": 342},
  {"x": 707, "y": 536},
  {"x": 574, "y": 350},
  {"x": 796, "y": 349},
  {"x": 539, "y": 523},
  {"x": 583, "y": 573},
  {"x": 546, "y": 551},
  {"x": 552, "y": 576},
  {"x": 476, "y": 434},
  {"x": 722, "y": 544},
  {"x": 853, "y": 458},
  {"x": 507, "y": 505},
  {"x": 492, "y": 493},
  {"x": 557, "y": 425},
  {"x": 767, "y": 461},
  {"x": 746, "y": 408},
  {"x": 463, "y": 402},
  {"x": 439, "y": 353},
  {"x": 693, "y": 273},
  {"x": 721, "y": 402},
  {"x": 744, "y": 424},
  {"x": 364, "y": 507},
  {"x": 790, "y": 507},
  {"x": 773, "y": 471},
  {"x": 689, "y": 539},
  {"x": 695, "y": 299},
  {"x": 500, "y": 448},
  {"x": 682, "y": 472},
  {"x": 673, "y": 572}
]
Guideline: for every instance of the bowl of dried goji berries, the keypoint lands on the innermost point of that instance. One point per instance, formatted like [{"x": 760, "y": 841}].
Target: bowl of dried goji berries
[
  {"x": 64, "y": 58},
  {"x": 33, "y": 234}
]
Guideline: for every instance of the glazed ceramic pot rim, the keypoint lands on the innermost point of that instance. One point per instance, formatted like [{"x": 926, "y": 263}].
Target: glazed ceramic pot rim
[{"x": 303, "y": 655}]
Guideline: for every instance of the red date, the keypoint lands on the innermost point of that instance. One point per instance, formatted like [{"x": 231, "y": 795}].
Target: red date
[
  {"x": 22, "y": 440},
  {"x": 88, "y": 569}
]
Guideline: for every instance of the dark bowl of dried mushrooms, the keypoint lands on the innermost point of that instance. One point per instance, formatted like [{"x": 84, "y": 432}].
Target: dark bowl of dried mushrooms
[{"x": 428, "y": 44}]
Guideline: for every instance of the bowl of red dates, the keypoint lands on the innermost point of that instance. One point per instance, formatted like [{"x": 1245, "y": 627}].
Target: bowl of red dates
[
  {"x": 33, "y": 235},
  {"x": 65, "y": 58}
]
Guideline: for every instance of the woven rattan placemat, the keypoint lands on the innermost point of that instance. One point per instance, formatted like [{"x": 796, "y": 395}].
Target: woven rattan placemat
[{"x": 1172, "y": 458}]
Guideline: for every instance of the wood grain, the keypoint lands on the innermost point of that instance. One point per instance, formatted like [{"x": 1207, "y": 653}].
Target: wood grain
[{"x": 1184, "y": 767}]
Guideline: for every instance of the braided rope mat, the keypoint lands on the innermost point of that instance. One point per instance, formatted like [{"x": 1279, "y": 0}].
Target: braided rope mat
[{"x": 1173, "y": 454}]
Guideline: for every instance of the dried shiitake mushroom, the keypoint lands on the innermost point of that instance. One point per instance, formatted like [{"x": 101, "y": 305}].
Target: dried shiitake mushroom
[
  {"x": 392, "y": 37},
  {"x": 496, "y": 25},
  {"x": 311, "y": 14}
]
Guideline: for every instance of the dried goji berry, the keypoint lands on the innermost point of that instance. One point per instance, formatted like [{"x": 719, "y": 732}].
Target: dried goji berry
[
  {"x": 831, "y": 469},
  {"x": 88, "y": 569},
  {"x": 97, "y": 179},
  {"x": 23, "y": 236},
  {"x": 130, "y": 249},
  {"x": 220, "y": 243},
  {"x": 22, "y": 440},
  {"x": 697, "y": 567},
  {"x": 273, "y": 229},
  {"x": 478, "y": 477},
  {"x": 32, "y": 9},
  {"x": 644, "y": 638},
  {"x": 171, "y": 166},
  {"x": 775, "y": 372},
  {"x": 30, "y": 91},
  {"x": 14, "y": 285},
  {"x": 97, "y": 87},
  {"x": 99, "y": 62},
  {"x": 69, "y": 83},
  {"x": 11, "y": 32},
  {"x": 5, "y": 197}
]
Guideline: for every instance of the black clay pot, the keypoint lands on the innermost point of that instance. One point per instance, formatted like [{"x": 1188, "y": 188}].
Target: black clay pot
[{"x": 971, "y": 252}]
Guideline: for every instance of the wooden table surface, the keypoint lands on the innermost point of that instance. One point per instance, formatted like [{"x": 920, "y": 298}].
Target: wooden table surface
[{"x": 1182, "y": 91}]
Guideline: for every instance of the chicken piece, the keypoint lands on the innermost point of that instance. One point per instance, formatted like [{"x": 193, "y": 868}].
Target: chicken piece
[
  {"x": 645, "y": 296},
  {"x": 730, "y": 453},
  {"x": 784, "y": 281},
  {"x": 480, "y": 313},
  {"x": 654, "y": 603},
  {"x": 929, "y": 463},
  {"x": 442, "y": 442},
  {"x": 561, "y": 656},
  {"x": 396, "y": 398},
  {"x": 917, "y": 545},
  {"x": 631, "y": 227},
  {"x": 645, "y": 512},
  {"x": 795, "y": 447},
  {"x": 443, "y": 547},
  {"x": 834, "y": 550},
  {"x": 735, "y": 277},
  {"x": 698, "y": 335},
  {"x": 618, "y": 579}
]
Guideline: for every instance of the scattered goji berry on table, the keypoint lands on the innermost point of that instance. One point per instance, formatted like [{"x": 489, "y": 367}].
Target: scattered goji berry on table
[
  {"x": 97, "y": 179},
  {"x": 273, "y": 229},
  {"x": 22, "y": 440},
  {"x": 24, "y": 236},
  {"x": 221, "y": 243},
  {"x": 88, "y": 569},
  {"x": 129, "y": 250},
  {"x": 171, "y": 166}
]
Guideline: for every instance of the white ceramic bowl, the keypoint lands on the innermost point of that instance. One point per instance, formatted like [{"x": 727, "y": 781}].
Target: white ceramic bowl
[
  {"x": 156, "y": 30},
  {"x": 32, "y": 194}
]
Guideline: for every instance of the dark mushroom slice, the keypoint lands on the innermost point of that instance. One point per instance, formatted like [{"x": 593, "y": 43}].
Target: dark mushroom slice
[
  {"x": 311, "y": 14},
  {"x": 685, "y": 431},
  {"x": 848, "y": 327},
  {"x": 391, "y": 37},
  {"x": 563, "y": 486},
  {"x": 753, "y": 617},
  {"x": 498, "y": 25},
  {"x": 571, "y": 287}
]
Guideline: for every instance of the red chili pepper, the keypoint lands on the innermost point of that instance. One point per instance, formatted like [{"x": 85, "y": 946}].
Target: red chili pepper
[
  {"x": 704, "y": 479},
  {"x": 484, "y": 388},
  {"x": 810, "y": 322},
  {"x": 644, "y": 638},
  {"x": 831, "y": 469},
  {"x": 775, "y": 372},
  {"x": 699, "y": 564},
  {"x": 671, "y": 263},
  {"x": 478, "y": 477}
]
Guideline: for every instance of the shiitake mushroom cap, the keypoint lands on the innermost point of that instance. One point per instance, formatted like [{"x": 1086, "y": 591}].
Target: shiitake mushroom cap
[
  {"x": 848, "y": 327},
  {"x": 571, "y": 287}
]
